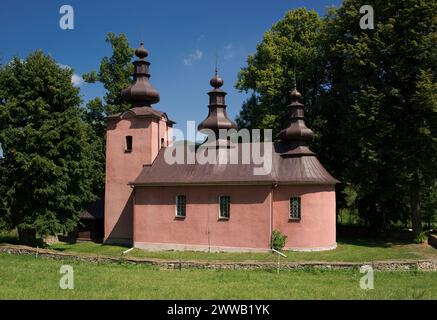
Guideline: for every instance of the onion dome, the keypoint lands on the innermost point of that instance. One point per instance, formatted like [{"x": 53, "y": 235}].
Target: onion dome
[
  {"x": 297, "y": 135},
  {"x": 141, "y": 52},
  {"x": 141, "y": 93},
  {"x": 217, "y": 117},
  {"x": 216, "y": 81}
]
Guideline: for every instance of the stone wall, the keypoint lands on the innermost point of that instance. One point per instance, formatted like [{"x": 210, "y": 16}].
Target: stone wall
[{"x": 401, "y": 265}]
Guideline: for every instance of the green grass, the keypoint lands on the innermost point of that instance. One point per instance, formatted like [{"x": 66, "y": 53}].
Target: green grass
[
  {"x": 28, "y": 277},
  {"x": 347, "y": 251}
]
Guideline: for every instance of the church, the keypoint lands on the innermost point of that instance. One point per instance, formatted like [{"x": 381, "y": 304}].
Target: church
[{"x": 156, "y": 205}]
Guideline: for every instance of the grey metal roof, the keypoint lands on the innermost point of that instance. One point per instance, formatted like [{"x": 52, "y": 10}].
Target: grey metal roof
[
  {"x": 285, "y": 170},
  {"x": 140, "y": 112}
]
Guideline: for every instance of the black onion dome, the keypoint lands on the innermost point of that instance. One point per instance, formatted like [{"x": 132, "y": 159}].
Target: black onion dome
[
  {"x": 216, "y": 81},
  {"x": 297, "y": 135},
  {"x": 141, "y": 52},
  {"x": 140, "y": 92},
  {"x": 217, "y": 117}
]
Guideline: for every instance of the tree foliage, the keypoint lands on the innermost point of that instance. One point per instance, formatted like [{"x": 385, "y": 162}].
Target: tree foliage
[
  {"x": 382, "y": 106},
  {"x": 48, "y": 169},
  {"x": 291, "y": 48},
  {"x": 371, "y": 96},
  {"x": 115, "y": 73}
]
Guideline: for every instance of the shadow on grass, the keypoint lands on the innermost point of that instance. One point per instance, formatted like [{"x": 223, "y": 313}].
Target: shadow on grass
[
  {"x": 95, "y": 246},
  {"x": 10, "y": 237},
  {"x": 374, "y": 241}
]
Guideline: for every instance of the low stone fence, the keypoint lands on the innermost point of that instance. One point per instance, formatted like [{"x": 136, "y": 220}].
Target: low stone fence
[{"x": 423, "y": 265}]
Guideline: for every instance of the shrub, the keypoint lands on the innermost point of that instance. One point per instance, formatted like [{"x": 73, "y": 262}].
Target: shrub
[
  {"x": 278, "y": 240},
  {"x": 421, "y": 238}
]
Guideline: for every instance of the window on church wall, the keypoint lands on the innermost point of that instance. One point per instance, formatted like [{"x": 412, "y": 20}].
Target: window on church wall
[
  {"x": 128, "y": 146},
  {"x": 181, "y": 206},
  {"x": 295, "y": 208},
  {"x": 225, "y": 206}
]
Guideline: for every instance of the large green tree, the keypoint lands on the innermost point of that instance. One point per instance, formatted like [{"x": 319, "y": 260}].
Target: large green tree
[
  {"x": 48, "y": 169},
  {"x": 371, "y": 95},
  {"x": 381, "y": 112},
  {"x": 115, "y": 73},
  {"x": 294, "y": 48},
  {"x": 291, "y": 49}
]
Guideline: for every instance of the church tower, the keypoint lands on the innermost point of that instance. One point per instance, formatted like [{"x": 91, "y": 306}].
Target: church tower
[
  {"x": 217, "y": 117},
  {"x": 133, "y": 140}
]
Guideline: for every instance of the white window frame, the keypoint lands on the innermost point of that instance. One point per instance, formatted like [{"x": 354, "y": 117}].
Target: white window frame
[
  {"x": 176, "y": 206},
  {"x": 220, "y": 207},
  {"x": 299, "y": 208}
]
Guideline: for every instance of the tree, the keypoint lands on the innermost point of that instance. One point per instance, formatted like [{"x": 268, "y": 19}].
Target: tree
[
  {"x": 48, "y": 169},
  {"x": 295, "y": 47},
  {"x": 382, "y": 106},
  {"x": 115, "y": 74},
  {"x": 4, "y": 213},
  {"x": 371, "y": 97},
  {"x": 292, "y": 48}
]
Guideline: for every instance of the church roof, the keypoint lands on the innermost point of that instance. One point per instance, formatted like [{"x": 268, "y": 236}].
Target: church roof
[
  {"x": 292, "y": 162},
  {"x": 217, "y": 117},
  {"x": 141, "y": 92},
  {"x": 284, "y": 170},
  {"x": 141, "y": 112}
]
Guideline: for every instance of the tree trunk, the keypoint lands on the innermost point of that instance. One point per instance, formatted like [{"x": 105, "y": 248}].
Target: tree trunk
[
  {"x": 27, "y": 237},
  {"x": 416, "y": 220}
]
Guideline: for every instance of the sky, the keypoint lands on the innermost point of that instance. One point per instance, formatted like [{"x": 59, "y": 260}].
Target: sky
[{"x": 182, "y": 37}]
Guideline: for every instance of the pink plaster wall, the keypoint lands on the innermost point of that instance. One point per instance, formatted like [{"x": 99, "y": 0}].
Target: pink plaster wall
[
  {"x": 163, "y": 133},
  {"x": 317, "y": 227},
  {"x": 123, "y": 167},
  {"x": 249, "y": 223},
  {"x": 247, "y": 227}
]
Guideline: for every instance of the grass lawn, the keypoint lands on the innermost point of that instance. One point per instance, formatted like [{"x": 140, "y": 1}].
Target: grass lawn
[
  {"x": 347, "y": 251},
  {"x": 28, "y": 277}
]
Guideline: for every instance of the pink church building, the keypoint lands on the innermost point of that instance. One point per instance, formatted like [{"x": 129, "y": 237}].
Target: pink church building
[{"x": 156, "y": 205}]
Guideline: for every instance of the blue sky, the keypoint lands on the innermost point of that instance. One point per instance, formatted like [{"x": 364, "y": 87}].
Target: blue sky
[{"x": 181, "y": 36}]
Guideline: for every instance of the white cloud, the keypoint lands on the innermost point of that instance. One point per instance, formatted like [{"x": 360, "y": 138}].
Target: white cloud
[
  {"x": 229, "y": 51},
  {"x": 76, "y": 80},
  {"x": 63, "y": 66},
  {"x": 196, "y": 55}
]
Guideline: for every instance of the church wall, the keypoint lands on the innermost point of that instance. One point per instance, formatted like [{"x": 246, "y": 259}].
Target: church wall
[
  {"x": 316, "y": 230},
  {"x": 156, "y": 226},
  {"x": 121, "y": 168}
]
